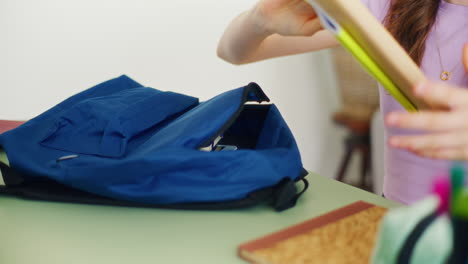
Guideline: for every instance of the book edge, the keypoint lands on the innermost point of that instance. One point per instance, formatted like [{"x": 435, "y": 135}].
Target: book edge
[
  {"x": 307, "y": 225},
  {"x": 252, "y": 258}
]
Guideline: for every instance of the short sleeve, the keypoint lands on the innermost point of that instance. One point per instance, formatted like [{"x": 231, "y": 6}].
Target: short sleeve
[{"x": 378, "y": 8}]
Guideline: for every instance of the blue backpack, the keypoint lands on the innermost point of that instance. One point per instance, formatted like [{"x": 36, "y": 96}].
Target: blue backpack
[{"x": 120, "y": 143}]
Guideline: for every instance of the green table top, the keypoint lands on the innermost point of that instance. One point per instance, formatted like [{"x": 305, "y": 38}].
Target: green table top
[
  {"x": 3, "y": 157},
  {"x": 53, "y": 233}
]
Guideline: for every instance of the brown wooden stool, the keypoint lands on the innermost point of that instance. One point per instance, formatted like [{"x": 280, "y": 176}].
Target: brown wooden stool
[
  {"x": 360, "y": 98},
  {"x": 358, "y": 140}
]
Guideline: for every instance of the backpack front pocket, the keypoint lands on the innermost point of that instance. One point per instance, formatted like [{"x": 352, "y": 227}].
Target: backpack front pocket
[{"x": 104, "y": 125}]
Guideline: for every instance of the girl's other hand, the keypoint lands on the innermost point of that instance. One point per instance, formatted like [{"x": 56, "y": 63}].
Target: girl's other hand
[
  {"x": 446, "y": 134},
  {"x": 286, "y": 17}
]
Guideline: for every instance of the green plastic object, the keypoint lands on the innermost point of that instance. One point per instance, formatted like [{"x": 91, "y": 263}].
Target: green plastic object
[
  {"x": 435, "y": 244},
  {"x": 457, "y": 175},
  {"x": 460, "y": 205}
]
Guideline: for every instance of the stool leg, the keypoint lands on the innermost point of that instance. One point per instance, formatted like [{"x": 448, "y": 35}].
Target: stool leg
[
  {"x": 370, "y": 179},
  {"x": 365, "y": 165},
  {"x": 344, "y": 163}
]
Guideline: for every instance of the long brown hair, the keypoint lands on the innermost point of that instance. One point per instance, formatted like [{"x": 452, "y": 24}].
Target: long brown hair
[{"x": 410, "y": 22}]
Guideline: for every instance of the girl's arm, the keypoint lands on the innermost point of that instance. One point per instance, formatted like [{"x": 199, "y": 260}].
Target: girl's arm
[{"x": 273, "y": 28}]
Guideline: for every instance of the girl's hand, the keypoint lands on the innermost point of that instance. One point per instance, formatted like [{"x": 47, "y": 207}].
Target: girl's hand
[
  {"x": 286, "y": 17},
  {"x": 447, "y": 130}
]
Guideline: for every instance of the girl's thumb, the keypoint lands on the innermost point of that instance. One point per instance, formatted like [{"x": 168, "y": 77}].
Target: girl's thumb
[{"x": 465, "y": 57}]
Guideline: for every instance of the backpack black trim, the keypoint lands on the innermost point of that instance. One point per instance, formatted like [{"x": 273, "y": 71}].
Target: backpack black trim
[
  {"x": 283, "y": 195},
  {"x": 250, "y": 88}
]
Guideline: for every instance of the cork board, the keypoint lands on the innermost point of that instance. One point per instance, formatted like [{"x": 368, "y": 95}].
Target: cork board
[{"x": 346, "y": 235}]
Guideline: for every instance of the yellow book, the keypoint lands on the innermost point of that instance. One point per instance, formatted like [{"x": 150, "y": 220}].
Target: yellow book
[{"x": 374, "y": 47}]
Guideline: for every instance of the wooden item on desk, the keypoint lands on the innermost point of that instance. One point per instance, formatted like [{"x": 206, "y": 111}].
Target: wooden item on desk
[
  {"x": 345, "y": 235},
  {"x": 6, "y": 125}
]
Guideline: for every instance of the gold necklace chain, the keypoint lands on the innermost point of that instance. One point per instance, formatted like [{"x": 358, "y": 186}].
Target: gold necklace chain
[{"x": 444, "y": 75}]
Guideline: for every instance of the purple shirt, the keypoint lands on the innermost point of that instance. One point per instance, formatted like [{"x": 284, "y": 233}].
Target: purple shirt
[{"x": 408, "y": 177}]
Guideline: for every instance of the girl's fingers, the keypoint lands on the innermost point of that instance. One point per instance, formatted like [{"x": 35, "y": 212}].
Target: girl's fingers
[
  {"x": 441, "y": 94},
  {"x": 431, "y": 141},
  {"x": 311, "y": 27},
  {"x": 460, "y": 153},
  {"x": 452, "y": 144},
  {"x": 427, "y": 120}
]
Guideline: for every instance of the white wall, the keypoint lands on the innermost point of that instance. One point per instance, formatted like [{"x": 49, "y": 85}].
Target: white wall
[{"x": 51, "y": 49}]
